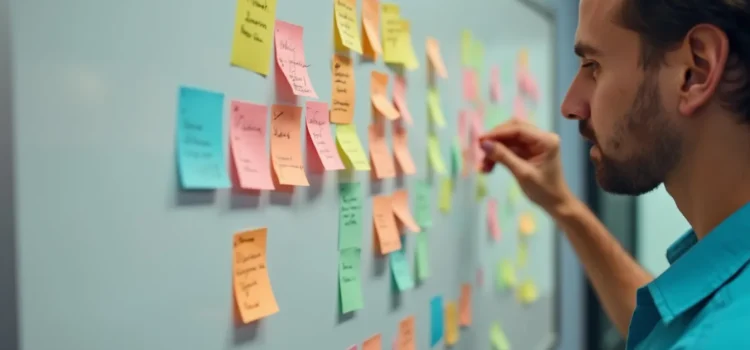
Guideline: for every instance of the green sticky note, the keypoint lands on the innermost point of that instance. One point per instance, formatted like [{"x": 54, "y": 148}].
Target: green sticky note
[
  {"x": 350, "y": 283},
  {"x": 481, "y": 187},
  {"x": 423, "y": 205},
  {"x": 350, "y": 215},
  {"x": 497, "y": 338},
  {"x": 423, "y": 258},
  {"x": 466, "y": 47},
  {"x": 505, "y": 275},
  {"x": 477, "y": 54},
  {"x": 436, "y": 158},
  {"x": 400, "y": 270},
  {"x": 435, "y": 108},
  {"x": 456, "y": 159},
  {"x": 446, "y": 194}
]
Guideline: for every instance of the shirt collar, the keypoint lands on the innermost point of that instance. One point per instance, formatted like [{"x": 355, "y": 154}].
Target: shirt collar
[{"x": 699, "y": 268}]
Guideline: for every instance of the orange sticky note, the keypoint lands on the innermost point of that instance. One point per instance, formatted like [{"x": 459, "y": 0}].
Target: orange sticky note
[
  {"x": 451, "y": 324},
  {"x": 382, "y": 160},
  {"x": 401, "y": 209},
  {"x": 373, "y": 343},
  {"x": 342, "y": 109},
  {"x": 399, "y": 98},
  {"x": 526, "y": 224},
  {"x": 385, "y": 224},
  {"x": 406, "y": 340},
  {"x": 465, "y": 305},
  {"x": 290, "y": 55},
  {"x": 286, "y": 154},
  {"x": 378, "y": 93},
  {"x": 401, "y": 149},
  {"x": 371, "y": 27},
  {"x": 319, "y": 135},
  {"x": 247, "y": 136},
  {"x": 436, "y": 59},
  {"x": 252, "y": 286}
]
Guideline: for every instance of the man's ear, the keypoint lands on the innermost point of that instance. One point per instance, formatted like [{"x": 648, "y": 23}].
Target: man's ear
[{"x": 705, "y": 48}]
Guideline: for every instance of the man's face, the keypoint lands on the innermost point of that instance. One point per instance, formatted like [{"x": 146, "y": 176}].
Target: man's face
[{"x": 620, "y": 105}]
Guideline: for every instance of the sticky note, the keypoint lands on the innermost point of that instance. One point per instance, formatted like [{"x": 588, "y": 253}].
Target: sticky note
[
  {"x": 496, "y": 94},
  {"x": 385, "y": 224},
  {"x": 290, "y": 55},
  {"x": 423, "y": 206},
  {"x": 528, "y": 86},
  {"x": 286, "y": 154},
  {"x": 253, "y": 34},
  {"x": 527, "y": 293},
  {"x": 492, "y": 222},
  {"x": 342, "y": 105},
  {"x": 401, "y": 150},
  {"x": 371, "y": 26},
  {"x": 252, "y": 286},
  {"x": 350, "y": 283},
  {"x": 382, "y": 160},
  {"x": 400, "y": 201},
  {"x": 436, "y": 320},
  {"x": 378, "y": 96},
  {"x": 390, "y": 19},
  {"x": 497, "y": 338},
  {"x": 406, "y": 331},
  {"x": 407, "y": 47},
  {"x": 451, "y": 324},
  {"x": 436, "y": 159},
  {"x": 481, "y": 187},
  {"x": 523, "y": 58},
  {"x": 523, "y": 254},
  {"x": 464, "y": 305},
  {"x": 446, "y": 194},
  {"x": 506, "y": 275},
  {"x": 345, "y": 16},
  {"x": 350, "y": 215},
  {"x": 319, "y": 134},
  {"x": 435, "y": 58},
  {"x": 466, "y": 47},
  {"x": 435, "y": 108},
  {"x": 350, "y": 148},
  {"x": 422, "y": 254},
  {"x": 519, "y": 109},
  {"x": 456, "y": 158},
  {"x": 400, "y": 269},
  {"x": 200, "y": 140},
  {"x": 247, "y": 135},
  {"x": 526, "y": 224},
  {"x": 469, "y": 85},
  {"x": 373, "y": 343},
  {"x": 399, "y": 98},
  {"x": 477, "y": 54}
]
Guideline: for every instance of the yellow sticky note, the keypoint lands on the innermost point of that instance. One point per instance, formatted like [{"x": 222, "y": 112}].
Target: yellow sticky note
[
  {"x": 451, "y": 323},
  {"x": 407, "y": 48},
  {"x": 436, "y": 158},
  {"x": 345, "y": 16},
  {"x": 390, "y": 18},
  {"x": 446, "y": 194},
  {"x": 526, "y": 224},
  {"x": 481, "y": 187},
  {"x": 252, "y": 286},
  {"x": 434, "y": 105},
  {"x": 498, "y": 338},
  {"x": 523, "y": 254},
  {"x": 350, "y": 148},
  {"x": 527, "y": 293},
  {"x": 253, "y": 35},
  {"x": 466, "y": 48}
]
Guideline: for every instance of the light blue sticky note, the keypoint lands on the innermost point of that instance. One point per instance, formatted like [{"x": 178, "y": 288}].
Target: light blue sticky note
[
  {"x": 201, "y": 161},
  {"x": 436, "y": 315},
  {"x": 401, "y": 271},
  {"x": 350, "y": 215}
]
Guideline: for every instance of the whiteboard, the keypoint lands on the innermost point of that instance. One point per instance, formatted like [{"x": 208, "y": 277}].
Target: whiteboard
[{"x": 112, "y": 255}]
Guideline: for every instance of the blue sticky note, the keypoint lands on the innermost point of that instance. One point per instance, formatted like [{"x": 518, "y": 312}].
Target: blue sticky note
[
  {"x": 200, "y": 140},
  {"x": 401, "y": 271},
  {"x": 436, "y": 314}
]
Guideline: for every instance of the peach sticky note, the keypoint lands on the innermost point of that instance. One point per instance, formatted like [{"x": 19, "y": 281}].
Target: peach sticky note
[
  {"x": 371, "y": 26},
  {"x": 390, "y": 19},
  {"x": 406, "y": 329},
  {"x": 451, "y": 323},
  {"x": 385, "y": 224},
  {"x": 319, "y": 134},
  {"x": 247, "y": 135},
  {"x": 342, "y": 109},
  {"x": 399, "y": 98},
  {"x": 373, "y": 343},
  {"x": 290, "y": 55},
  {"x": 495, "y": 91},
  {"x": 401, "y": 149},
  {"x": 286, "y": 154},
  {"x": 381, "y": 157},
  {"x": 378, "y": 95},
  {"x": 345, "y": 16},
  {"x": 253, "y": 34},
  {"x": 350, "y": 148},
  {"x": 400, "y": 201},
  {"x": 252, "y": 286},
  {"x": 492, "y": 222},
  {"x": 436, "y": 59},
  {"x": 464, "y": 305},
  {"x": 526, "y": 224}
]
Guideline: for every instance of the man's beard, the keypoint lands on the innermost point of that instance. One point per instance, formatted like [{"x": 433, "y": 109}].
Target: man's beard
[{"x": 655, "y": 143}]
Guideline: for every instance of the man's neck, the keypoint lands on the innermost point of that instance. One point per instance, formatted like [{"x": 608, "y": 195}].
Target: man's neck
[{"x": 713, "y": 178}]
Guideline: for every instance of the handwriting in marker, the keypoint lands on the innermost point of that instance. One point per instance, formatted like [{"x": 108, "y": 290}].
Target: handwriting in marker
[
  {"x": 286, "y": 152},
  {"x": 253, "y": 33},
  {"x": 252, "y": 286}
]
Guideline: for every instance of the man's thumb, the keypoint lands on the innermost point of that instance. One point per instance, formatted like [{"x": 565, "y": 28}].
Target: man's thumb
[{"x": 500, "y": 153}]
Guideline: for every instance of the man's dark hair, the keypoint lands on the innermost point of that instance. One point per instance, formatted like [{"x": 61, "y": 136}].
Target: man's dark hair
[{"x": 662, "y": 24}]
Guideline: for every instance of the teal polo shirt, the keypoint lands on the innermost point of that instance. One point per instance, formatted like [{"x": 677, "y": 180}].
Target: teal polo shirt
[{"x": 702, "y": 301}]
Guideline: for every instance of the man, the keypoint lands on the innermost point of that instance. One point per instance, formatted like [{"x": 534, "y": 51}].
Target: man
[{"x": 663, "y": 94}]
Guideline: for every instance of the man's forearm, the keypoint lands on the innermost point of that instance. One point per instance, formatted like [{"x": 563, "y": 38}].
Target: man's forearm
[{"x": 614, "y": 274}]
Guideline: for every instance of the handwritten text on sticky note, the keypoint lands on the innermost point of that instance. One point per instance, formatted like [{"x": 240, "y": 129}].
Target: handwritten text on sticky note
[
  {"x": 345, "y": 12},
  {"x": 286, "y": 154},
  {"x": 247, "y": 134},
  {"x": 382, "y": 160},
  {"x": 385, "y": 224},
  {"x": 350, "y": 148},
  {"x": 342, "y": 109},
  {"x": 350, "y": 215},
  {"x": 350, "y": 282},
  {"x": 252, "y": 286},
  {"x": 253, "y": 34},
  {"x": 290, "y": 55},
  {"x": 319, "y": 132}
]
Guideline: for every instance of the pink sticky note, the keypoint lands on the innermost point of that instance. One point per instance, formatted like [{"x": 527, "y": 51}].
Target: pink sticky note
[
  {"x": 492, "y": 222},
  {"x": 530, "y": 87},
  {"x": 519, "y": 108},
  {"x": 290, "y": 55},
  {"x": 476, "y": 131},
  {"x": 247, "y": 135},
  {"x": 495, "y": 92},
  {"x": 353, "y": 347},
  {"x": 399, "y": 98},
  {"x": 319, "y": 134},
  {"x": 470, "y": 85}
]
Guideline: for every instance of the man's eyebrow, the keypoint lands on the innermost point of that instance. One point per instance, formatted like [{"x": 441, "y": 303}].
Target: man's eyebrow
[{"x": 583, "y": 49}]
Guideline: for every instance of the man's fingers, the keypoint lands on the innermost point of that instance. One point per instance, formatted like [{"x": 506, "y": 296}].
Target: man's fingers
[{"x": 498, "y": 152}]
